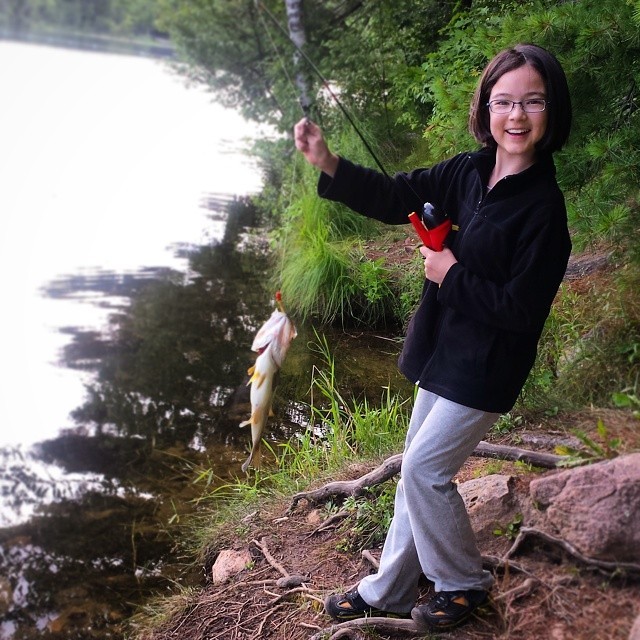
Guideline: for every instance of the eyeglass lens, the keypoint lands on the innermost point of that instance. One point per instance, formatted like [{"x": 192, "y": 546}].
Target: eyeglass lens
[{"x": 506, "y": 106}]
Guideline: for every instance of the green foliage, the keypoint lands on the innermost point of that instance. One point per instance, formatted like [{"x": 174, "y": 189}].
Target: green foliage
[
  {"x": 322, "y": 267},
  {"x": 594, "y": 450},
  {"x": 241, "y": 49},
  {"x": 370, "y": 518},
  {"x": 113, "y": 17},
  {"x": 507, "y": 423},
  {"x": 322, "y": 272},
  {"x": 354, "y": 427},
  {"x": 511, "y": 530},
  {"x": 627, "y": 399}
]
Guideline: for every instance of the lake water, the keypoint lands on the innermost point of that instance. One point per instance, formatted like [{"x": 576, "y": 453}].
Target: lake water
[
  {"x": 108, "y": 165},
  {"x": 104, "y": 160},
  {"x": 131, "y": 292}
]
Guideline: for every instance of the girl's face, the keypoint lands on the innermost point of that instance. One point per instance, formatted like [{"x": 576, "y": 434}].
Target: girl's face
[{"x": 516, "y": 133}]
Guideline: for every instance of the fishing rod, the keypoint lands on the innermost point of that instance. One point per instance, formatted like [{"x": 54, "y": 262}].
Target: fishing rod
[
  {"x": 325, "y": 83},
  {"x": 432, "y": 225}
]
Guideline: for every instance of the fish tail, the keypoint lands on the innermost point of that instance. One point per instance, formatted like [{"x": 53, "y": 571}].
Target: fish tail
[
  {"x": 255, "y": 457},
  {"x": 257, "y": 422}
]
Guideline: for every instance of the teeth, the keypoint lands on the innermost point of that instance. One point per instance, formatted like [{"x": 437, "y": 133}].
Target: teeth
[{"x": 517, "y": 130}]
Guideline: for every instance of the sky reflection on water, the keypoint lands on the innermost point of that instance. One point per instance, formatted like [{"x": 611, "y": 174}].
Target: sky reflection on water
[{"x": 105, "y": 160}]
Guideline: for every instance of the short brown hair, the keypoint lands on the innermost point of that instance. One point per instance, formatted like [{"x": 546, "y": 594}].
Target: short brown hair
[{"x": 559, "y": 100}]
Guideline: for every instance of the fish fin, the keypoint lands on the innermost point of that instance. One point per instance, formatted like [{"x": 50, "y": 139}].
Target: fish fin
[
  {"x": 250, "y": 371},
  {"x": 258, "y": 378},
  {"x": 246, "y": 423}
]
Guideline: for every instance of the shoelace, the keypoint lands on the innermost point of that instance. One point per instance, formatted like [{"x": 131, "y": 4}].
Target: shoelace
[{"x": 443, "y": 600}]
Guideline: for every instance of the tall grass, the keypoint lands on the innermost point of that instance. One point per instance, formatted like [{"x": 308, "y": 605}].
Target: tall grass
[
  {"x": 323, "y": 270},
  {"x": 341, "y": 429},
  {"x": 590, "y": 348}
]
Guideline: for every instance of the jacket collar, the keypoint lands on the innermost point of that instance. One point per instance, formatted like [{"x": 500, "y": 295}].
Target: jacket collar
[{"x": 485, "y": 159}]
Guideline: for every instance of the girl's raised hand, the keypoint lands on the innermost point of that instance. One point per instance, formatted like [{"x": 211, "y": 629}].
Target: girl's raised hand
[{"x": 311, "y": 143}]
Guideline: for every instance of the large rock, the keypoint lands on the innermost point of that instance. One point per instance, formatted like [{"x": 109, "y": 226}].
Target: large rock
[
  {"x": 595, "y": 508},
  {"x": 489, "y": 501}
]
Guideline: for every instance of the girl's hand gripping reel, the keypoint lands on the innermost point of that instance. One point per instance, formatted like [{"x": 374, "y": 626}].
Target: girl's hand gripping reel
[{"x": 434, "y": 227}]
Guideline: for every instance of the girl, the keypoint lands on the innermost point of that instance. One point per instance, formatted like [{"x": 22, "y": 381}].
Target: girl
[{"x": 473, "y": 339}]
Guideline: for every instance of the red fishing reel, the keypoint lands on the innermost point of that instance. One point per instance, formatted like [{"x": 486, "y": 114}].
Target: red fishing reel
[{"x": 433, "y": 228}]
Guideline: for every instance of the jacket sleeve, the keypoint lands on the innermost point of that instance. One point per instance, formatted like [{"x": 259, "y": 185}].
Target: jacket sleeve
[
  {"x": 375, "y": 195},
  {"x": 522, "y": 303}
]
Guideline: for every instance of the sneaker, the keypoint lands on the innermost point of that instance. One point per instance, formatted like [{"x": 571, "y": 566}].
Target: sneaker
[
  {"x": 447, "y": 609},
  {"x": 350, "y": 605}
]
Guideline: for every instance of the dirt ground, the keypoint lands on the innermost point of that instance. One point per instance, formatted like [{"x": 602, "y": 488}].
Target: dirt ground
[{"x": 567, "y": 601}]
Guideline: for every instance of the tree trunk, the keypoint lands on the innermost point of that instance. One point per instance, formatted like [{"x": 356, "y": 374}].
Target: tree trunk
[{"x": 299, "y": 38}]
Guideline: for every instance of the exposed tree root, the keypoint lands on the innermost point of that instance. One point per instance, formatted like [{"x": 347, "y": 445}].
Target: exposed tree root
[
  {"x": 530, "y": 532},
  {"x": 391, "y": 467},
  {"x": 350, "y": 488},
  {"x": 380, "y": 625}
]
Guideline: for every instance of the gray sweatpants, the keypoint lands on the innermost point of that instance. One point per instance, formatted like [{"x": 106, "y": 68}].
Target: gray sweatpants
[{"x": 430, "y": 532}]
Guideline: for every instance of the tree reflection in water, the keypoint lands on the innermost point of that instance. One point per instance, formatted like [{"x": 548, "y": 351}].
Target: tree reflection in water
[
  {"x": 99, "y": 504},
  {"x": 167, "y": 394}
]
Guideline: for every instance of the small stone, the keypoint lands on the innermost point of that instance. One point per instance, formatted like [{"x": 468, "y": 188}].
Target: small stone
[
  {"x": 314, "y": 517},
  {"x": 489, "y": 501},
  {"x": 229, "y": 563},
  {"x": 291, "y": 582}
]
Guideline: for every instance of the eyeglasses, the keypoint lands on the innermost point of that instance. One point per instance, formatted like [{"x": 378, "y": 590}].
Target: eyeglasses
[{"x": 533, "y": 105}]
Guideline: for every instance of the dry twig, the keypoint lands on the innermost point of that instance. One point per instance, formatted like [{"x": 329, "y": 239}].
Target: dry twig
[
  {"x": 371, "y": 559},
  {"x": 521, "y": 591},
  {"x": 270, "y": 559}
]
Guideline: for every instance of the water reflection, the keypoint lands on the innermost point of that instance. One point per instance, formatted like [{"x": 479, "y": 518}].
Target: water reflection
[
  {"x": 90, "y": 516},
  {"x": 86, "y": 515}
]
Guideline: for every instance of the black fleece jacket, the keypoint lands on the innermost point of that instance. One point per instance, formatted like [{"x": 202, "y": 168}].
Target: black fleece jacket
[{"x": 473, "y": 340}]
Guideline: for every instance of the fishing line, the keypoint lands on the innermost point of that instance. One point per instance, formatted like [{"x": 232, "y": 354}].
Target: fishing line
[
  {"x": 305, "y": 110},
  {"x": 325, "y": 82}
]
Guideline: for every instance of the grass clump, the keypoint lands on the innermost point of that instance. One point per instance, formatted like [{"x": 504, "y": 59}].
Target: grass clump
[
  {"x": 341, "y": 429},
  {"x": 369, "y": 519},
  {"x": 589, "y": 353},
  {"x": 324, "y": 273}
]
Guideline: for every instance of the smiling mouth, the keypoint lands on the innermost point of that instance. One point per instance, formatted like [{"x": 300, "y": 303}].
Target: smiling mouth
[{"x": 517, "y": 132}]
